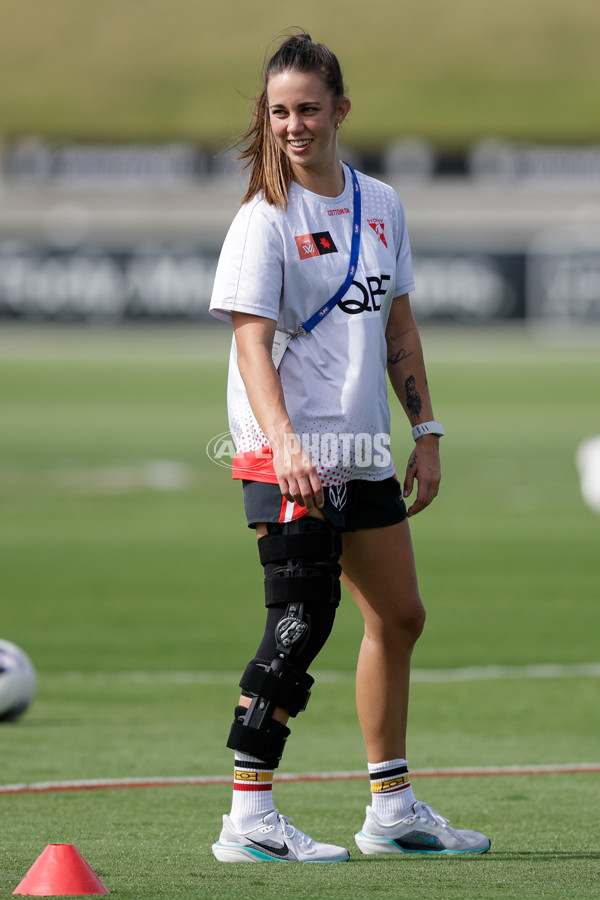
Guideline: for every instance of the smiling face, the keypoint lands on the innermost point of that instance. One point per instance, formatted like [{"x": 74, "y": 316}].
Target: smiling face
[{"x": 304, "y": 117}]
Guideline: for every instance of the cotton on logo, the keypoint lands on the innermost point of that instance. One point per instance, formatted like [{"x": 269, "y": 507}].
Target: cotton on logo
[{"x": 378, "y": 225}]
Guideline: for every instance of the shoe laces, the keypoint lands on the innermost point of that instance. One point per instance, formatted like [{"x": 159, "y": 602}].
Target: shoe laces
[
  {"x": 429, "y": 815},
  {"x": 293, "y": 833}
]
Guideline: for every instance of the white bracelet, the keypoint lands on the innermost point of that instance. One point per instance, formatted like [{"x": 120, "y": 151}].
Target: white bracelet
[{"x": 427, "y": 428}]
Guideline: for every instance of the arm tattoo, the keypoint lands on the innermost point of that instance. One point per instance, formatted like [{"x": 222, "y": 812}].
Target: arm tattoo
[
  {"x": 413, "y": 399},
  {"x": 398, "y": 357}
]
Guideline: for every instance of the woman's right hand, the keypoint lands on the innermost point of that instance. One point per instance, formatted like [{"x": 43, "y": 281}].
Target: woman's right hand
[{"x": 298, "y": 478}]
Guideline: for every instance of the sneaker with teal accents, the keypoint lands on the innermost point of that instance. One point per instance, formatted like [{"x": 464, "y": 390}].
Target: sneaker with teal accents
[
  {"x": 423, "y": 830},
  {"x": 275, "y": 840}
]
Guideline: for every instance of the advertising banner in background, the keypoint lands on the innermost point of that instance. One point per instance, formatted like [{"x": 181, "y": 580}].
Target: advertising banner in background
[{"x": 115, "y": 232}]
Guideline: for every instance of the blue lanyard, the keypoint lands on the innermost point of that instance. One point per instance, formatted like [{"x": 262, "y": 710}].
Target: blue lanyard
[{"x": 354, "y": 250}]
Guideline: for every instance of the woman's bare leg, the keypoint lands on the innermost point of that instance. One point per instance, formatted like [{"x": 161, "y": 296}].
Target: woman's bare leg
[{"x": 379, "y": 571}]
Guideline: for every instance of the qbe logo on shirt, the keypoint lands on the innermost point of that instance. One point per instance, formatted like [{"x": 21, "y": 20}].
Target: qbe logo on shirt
[
  {"x": 366, "y": 294},
  {"x": 317, "y": 244}
]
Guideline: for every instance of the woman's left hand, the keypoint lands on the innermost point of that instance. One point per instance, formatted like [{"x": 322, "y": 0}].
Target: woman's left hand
[{"x": 424, "y": 466}]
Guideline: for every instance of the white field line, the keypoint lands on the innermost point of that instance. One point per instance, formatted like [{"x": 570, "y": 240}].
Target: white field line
[
  {"x": 428, "y": 676},
  {"x": 205, "y": 780}
]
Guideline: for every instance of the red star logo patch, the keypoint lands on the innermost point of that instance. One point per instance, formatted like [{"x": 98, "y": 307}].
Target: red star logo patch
[{"x": 317, "y": 244}]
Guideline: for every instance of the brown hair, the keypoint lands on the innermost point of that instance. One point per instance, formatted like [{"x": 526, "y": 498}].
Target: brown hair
[{"x": 270, "y": 169}]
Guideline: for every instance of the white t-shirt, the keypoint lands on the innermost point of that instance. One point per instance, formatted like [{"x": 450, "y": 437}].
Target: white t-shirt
[{"x": 284, "y": 266}]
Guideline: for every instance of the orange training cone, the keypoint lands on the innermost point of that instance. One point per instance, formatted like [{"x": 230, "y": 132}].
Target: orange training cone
[{"x": 60, "y": 871}]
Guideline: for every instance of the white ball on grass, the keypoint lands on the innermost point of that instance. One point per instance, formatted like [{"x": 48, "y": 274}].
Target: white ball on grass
[
  {"x": 587, "y": 460},
  {"x": 17, "y": 681}
]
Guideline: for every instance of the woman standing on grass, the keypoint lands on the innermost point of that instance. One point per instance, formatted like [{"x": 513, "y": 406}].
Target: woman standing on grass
[{"x": 315, "y": 275}]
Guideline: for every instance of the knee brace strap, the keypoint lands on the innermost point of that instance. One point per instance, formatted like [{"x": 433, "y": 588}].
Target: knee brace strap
[
  {"x": 266, "y": 743},
  {"x": 307, "y": 540},
  {"x": 301, "y": 562},
  {"x": 281, "y": 683}
]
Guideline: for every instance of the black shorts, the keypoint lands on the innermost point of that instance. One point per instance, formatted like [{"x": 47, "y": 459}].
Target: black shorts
[{"x": 348, "y": 507}]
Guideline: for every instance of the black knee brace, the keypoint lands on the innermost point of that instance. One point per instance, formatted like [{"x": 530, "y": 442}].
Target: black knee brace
[
  {"x": 301, "y": 562},
  {"x": 302, "y": 592}
]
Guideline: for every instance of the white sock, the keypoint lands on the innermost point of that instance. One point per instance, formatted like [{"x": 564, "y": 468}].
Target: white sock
[
  {"x": 252, "y": 792},
  {"x": 391, "y": 793}
]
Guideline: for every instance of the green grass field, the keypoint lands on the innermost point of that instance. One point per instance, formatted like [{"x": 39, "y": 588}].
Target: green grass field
[
  {"x": 140, "y": 604},
  {"x": 164, "y": 69}
]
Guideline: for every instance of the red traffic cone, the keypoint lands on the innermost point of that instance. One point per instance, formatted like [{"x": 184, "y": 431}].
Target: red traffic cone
[{"x": 60, "y": 871}]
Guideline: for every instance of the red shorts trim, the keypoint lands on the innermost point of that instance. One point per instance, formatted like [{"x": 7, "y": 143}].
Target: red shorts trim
[{"x": 289, "y": 512}]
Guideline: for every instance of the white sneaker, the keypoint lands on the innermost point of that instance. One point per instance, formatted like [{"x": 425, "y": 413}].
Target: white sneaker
[
  {"x": 275, "y": 840},
  {"x": 423, "y": 830}
]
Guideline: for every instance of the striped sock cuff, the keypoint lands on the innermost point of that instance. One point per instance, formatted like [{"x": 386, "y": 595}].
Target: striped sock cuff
[
  {"x": 252, "y": 776},
  {"x": 389, "y": 778},
  {"x": 252, "y": 763}
]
